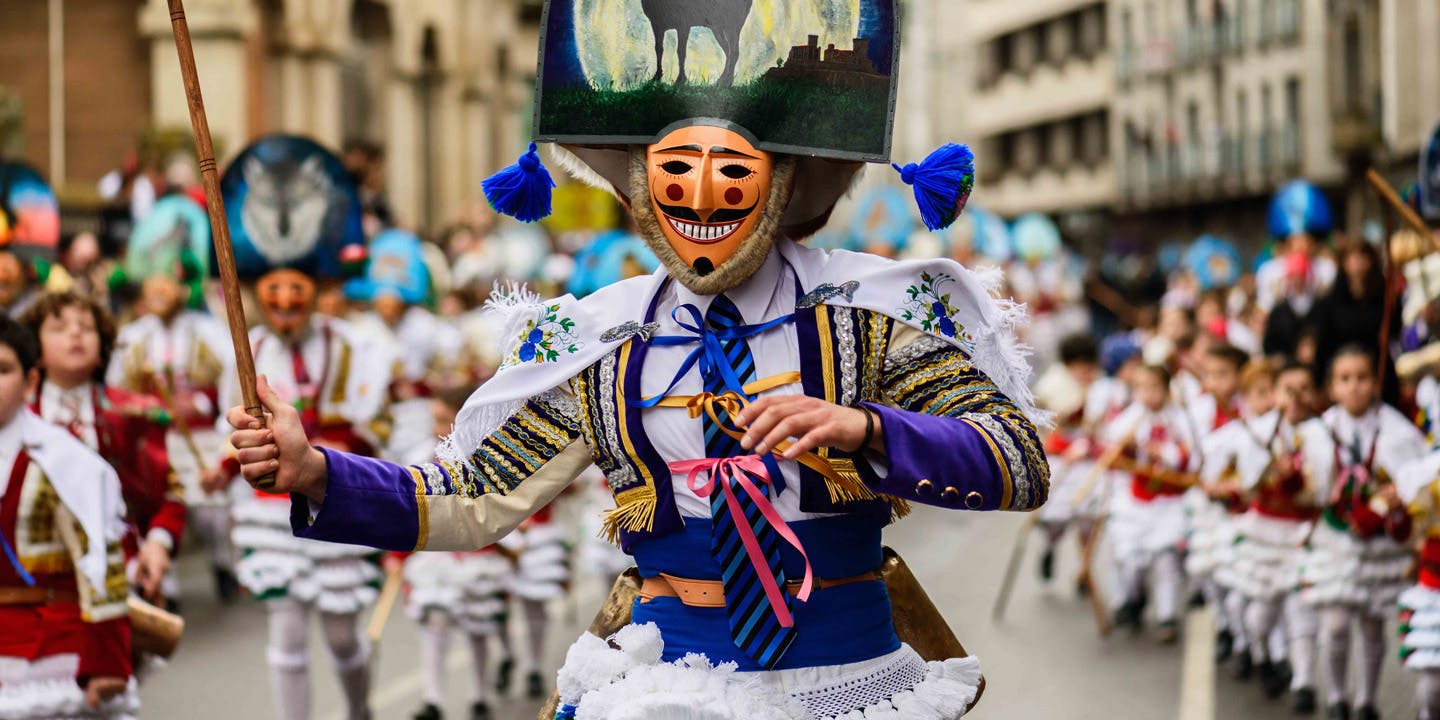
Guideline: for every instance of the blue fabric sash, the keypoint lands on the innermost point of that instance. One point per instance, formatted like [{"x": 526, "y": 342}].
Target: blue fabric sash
[{"x": 843, "y": 624}]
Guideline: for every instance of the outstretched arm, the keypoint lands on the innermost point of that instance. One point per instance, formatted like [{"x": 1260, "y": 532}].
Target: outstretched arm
[{"x": 340, "y": 497}]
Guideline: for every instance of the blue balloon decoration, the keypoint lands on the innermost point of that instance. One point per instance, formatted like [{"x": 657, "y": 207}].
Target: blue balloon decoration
[
  {"x": 1036, "y": 237},
  {"x": 397, "y": 266},
  {"x": 1300, "y": 207}
]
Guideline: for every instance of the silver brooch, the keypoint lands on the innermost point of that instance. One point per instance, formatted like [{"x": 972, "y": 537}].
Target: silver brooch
[
  {"x": 825, "y": 291},
  {"x": 627, "y": 330}
]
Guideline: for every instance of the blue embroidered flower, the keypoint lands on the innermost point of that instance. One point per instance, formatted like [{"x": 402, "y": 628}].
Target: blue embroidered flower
[
  {"x": 545, "y": 338},
  {"x": 930, "y": 307}
]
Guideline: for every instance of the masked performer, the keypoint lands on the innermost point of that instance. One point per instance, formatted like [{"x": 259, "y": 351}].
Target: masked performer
[
  {"x": 761, "y": 409},
  {"x": 396, "y": 286},
  {"x": 178, "y": 354},
  {"x": 295, "y": 220}
]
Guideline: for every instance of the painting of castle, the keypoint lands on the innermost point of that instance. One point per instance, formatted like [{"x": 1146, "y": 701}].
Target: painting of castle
[{"x": 832, "y": 65}]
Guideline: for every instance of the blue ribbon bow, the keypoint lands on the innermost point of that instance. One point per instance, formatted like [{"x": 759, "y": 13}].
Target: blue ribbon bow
[{"x": 711, "y": 353}]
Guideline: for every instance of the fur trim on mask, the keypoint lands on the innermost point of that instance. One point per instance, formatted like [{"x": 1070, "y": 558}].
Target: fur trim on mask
[{"x": 747, "y": 258}]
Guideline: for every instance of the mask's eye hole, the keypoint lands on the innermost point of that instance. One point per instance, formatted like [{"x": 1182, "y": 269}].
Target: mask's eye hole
[
  {"x": 676, "y": 167},
  {"x": 736, "y": 172}
]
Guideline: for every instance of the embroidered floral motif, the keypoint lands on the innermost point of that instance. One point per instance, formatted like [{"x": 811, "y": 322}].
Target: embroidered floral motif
[
  {"x": 931, "y": 307},
  {"x": 825, "y": 291},
  {"x": 545, "y": 337},
  {"x": 629, "y": 329}
]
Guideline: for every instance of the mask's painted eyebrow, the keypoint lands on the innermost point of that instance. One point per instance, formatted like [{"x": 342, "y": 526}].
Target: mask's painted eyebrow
[
  {"x": 717, "y": 150},
  {"x": 684, "y": 148}
]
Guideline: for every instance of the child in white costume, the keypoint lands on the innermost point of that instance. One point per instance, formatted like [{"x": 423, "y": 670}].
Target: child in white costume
[
  {"x": 1418, "y": 487},
  {"x": 1065, "y": 390},
  {"x": 1263, "y": 456},
  {"x": 1147, "y": 520},
  {"x": 1212, "y": 533},
  {"x": 1352, "y": 572},
  {"x": 466, "y": 591}
]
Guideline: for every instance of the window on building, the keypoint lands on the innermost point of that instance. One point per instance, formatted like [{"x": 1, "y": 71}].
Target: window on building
[
  {"x": 1292, "y": 101},
  {"x": 1267, "y": 113},
  {"x": 1353, "y": 91},
  {"x": 1127, "y": 30},
  {"x": 1003, "y": 55},
  {"x": 1024, "y": 51}
]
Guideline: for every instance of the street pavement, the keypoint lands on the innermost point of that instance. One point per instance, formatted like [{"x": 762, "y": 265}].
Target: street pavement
[{"x": 1044, "y": 660}]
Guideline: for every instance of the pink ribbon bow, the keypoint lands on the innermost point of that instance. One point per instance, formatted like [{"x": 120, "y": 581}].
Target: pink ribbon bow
[{"x": 739, "y": 471}]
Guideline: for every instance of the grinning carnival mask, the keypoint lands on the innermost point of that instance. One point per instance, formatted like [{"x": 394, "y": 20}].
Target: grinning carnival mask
[
  {"x": 737, "y": 137},
  {"x": 294, "y": 219},
  {"x": 705, "y": 199}
]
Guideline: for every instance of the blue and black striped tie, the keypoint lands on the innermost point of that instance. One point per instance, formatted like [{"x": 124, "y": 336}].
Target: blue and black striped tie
[{"x": 754, "y": 626}]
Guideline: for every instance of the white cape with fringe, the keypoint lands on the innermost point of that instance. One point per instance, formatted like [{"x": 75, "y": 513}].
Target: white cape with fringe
[{"x": 578, "y": 332}]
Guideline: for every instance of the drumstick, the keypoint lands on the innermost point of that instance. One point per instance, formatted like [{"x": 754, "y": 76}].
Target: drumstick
[{"x": 168, "y": 400}]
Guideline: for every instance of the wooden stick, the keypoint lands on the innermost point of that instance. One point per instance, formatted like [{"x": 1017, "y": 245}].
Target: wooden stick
[
  {"x": 220, "y": 229},
  {"x": 389, "y": 593},
  {"x": 1392, "y": 198},
  {"x": 167, "y": 399}
]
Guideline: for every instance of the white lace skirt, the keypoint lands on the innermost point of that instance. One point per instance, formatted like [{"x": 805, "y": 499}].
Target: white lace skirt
[
  {"x": 1139, "y": 531},
  {"x": 603, "y": 683},
  {"x": 1067, "y": 481},
  {"x": 1265, "y": 560},
  {"x": 469, "y": 587},
  {"x": 543, "y": 572},
  {"x": 335, "y": 578},
  {"x": 45, "y": 689},
  {"x": 1341, "y": 569},
  {"x": 1420, "y": 628},
  {"x": 187, "y": 467},
  {"x": 1212, "y": 536}
]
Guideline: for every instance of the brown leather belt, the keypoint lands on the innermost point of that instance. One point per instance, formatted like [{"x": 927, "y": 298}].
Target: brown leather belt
[
  {"x": 711, "y": 593},
  {"x": 22, "y": 595}
]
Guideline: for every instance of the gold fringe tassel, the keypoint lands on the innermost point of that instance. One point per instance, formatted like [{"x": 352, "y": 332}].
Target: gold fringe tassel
[{"x": 633, "y": 515}]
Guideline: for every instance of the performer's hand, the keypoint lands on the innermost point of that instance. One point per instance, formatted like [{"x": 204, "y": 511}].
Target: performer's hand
[
  {"x": 152, "y": 565},
  {"x": 392, "y": 563},
  {"x": 214, "y": 479},
  {"x": 811, "y": 422},
  {"x": 100, "y": 689},
  {"x": 281, "y": 447}
]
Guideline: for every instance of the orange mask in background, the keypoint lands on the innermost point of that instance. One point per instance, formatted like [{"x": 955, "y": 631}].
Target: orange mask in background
[{"x": 287, "y": 298}]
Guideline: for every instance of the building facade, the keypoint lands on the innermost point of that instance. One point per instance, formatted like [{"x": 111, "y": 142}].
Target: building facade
[
  {"x": 443, "y": 85},
  {"x": 1039, "y": 107}
]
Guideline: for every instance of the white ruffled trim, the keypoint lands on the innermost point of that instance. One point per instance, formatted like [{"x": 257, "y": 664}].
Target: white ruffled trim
[
  {"x": 1340, "y": 569},
  {"x": 1265, "y": 560},
  {"x": 630, "y": 682},
  {"x": 1420, "y": 647},
  {"x": 63, "y": 699}
]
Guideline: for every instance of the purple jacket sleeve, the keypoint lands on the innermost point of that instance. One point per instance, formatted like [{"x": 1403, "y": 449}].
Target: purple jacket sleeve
[
  {"x": 952, "y": 439},
  {"x": 367, "y": 502},
  {"x": 940, "y": 461}
]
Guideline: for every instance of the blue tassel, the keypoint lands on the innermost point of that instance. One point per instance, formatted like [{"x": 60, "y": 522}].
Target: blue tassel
[
  {"x": 942, "y": 184},
  {"x": 522, "y": 190}
]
